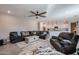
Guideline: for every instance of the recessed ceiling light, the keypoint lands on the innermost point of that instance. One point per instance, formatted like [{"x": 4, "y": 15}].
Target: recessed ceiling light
[{"x": 9, "y": 11}]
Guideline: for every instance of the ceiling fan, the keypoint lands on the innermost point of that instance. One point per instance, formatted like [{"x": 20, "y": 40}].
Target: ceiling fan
[{"x": 37, "y": 14}]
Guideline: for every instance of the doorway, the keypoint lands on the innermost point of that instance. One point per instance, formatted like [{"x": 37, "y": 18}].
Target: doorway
[{"x": 74, "y": 27}]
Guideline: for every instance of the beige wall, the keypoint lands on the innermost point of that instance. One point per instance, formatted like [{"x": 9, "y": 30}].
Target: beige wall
[{"x": 10, "y": 23}]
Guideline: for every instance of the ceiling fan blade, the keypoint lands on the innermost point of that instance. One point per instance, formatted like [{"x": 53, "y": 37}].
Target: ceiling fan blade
[
  {"x": 31, "y": 15},
  {"x": 42, "y": 13},
  {"x": 42, "y": 16},
  {"x": 33, "y": 12}
]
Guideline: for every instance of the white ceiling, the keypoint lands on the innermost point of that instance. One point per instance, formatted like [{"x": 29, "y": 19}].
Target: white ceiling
[{"x": 54, "y": 11}]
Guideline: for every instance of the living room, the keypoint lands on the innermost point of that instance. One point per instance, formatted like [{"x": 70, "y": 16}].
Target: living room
[{"x": 29, "y": 29}]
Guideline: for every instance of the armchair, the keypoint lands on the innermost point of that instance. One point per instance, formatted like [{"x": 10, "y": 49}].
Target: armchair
[{"x": 65, "y": 43}]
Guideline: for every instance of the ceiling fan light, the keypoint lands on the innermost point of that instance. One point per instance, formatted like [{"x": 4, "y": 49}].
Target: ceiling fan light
[{"x": 36, "y": 17}]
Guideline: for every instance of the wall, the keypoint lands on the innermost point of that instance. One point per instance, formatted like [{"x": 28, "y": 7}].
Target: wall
[{"x": 10, "y": 23}]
